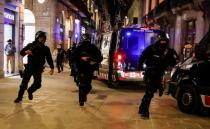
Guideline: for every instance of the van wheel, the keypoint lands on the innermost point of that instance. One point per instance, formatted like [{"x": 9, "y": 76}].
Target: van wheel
[{"x": 188, "y": 99}]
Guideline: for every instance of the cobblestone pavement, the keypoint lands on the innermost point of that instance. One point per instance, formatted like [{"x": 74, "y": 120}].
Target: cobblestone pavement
[{"x": 55, "y": 106}]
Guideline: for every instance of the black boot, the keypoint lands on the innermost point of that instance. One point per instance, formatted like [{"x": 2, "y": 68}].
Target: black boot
[
  {"x": 81, "y": 104},
  {"x": 30, "y": 95},
  {"x": 20, "y": 95},
  {"x": 17, "y": 100},
  {"x": 145, "y": 115}
]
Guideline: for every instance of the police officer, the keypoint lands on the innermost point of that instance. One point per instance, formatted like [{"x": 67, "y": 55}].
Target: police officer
[
  {"x": 37, "y": 53},
  {"x": 157, "y": 58},
  {"x": 60, "y": 57},
  {"x": 87, "y": 58}
]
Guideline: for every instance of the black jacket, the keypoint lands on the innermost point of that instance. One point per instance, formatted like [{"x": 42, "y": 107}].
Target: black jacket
[
  {"x": 90, "y": 50},
  {"x": 157, "y": 58},
  {"x": 40, "y": 52},
  {"x": 60, "y": 55}
]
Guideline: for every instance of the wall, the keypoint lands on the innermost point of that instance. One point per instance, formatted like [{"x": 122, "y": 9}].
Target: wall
[
  {"x": 134, "y": 11},
  {"x": 1, "y": 38}
]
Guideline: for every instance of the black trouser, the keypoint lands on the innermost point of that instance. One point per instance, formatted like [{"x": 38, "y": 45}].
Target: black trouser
[
  {"x": 85, "y": 80},
  {"x": 28, "y": 72},
  {"x": 153, "y": 82},
  {"x": 59, "y": 65}
]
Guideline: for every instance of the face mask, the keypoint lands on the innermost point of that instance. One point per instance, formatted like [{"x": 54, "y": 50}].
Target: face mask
[{"x": 42, "y": 40}]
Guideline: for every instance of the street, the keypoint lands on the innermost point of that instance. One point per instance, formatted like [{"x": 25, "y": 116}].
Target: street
[{"x": 55, "y": 106}]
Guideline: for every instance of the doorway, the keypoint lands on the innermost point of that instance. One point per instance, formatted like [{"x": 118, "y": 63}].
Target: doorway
[
  {"x": 8, "y": 32},
  {"x": 29, "y": 30}
]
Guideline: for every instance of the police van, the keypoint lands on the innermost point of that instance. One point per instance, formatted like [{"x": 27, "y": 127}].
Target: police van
[
  {"x": 190, "y": 80},
  {"x": 121, "y": 51}
]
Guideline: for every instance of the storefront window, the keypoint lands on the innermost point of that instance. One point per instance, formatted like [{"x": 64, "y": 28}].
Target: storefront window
[{"x": 190, "y": 32}]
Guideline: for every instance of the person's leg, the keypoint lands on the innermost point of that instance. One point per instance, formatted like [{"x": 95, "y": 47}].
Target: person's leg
[
  {"x": 12, "y": 64},
  {"x": 88, "y": 87},
  {"x": 149, "y": 93},
  {"x": 24, "y": 85},
  {"x": 82, "y": 90},
  {"x": 7, "y": 65},
  {"x": 58, "y": 66},
  {"x": 37, "y": 75},
  {"x": 62, "y": 63}
]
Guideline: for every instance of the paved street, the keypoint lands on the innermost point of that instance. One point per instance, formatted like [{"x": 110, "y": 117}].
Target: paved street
[{"x": 55, "y": 106}]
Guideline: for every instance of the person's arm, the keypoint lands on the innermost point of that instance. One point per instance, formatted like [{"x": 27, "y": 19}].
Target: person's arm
[
  {"x": 49, "y": 60},
  {"x": 98, "y": 55},
  {"x": 26, "y": 50}
]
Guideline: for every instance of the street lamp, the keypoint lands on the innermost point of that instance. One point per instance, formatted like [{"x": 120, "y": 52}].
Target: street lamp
[{"x": 41, "y": 1}]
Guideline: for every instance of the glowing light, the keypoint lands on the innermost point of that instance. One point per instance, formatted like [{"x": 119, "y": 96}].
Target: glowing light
[
  {"x": 76, "y": 35},
  {"x": 128, "y": 33},
  {"x": 41, "y": 1},
  {"x": 77, "y": 21},
  {"x": 119, "y": 57},
  {"x": 167, "y": 35}
]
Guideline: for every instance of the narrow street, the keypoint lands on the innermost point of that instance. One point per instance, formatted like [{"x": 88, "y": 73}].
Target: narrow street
[{"x": 55, "y": 106}]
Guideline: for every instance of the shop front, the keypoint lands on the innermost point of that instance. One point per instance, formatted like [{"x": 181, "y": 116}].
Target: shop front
[{"x": 9, "y": 38}]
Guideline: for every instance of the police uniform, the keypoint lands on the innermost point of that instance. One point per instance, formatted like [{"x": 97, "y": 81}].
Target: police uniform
[
  {"x": 157, "y": 58},
  {"x": 85, "y": 69},
  {"x": 35, "y": 67}
]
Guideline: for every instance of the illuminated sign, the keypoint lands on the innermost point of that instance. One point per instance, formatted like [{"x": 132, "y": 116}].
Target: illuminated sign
[{"x": 9, "y": 16}]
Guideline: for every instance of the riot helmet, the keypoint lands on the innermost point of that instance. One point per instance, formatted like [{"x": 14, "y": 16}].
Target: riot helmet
[
  {"x": 162, "y": 37},
  {"x": 162, "y": 40},
  {"x": 42, "y": 35}
]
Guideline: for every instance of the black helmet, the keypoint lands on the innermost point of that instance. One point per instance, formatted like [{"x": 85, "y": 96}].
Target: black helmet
[
  {"x": 162, "y": 36},
  {"x": 40, "y": 34}
]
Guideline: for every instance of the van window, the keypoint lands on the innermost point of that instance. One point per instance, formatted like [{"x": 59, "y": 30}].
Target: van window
[{"x": 133, "y": 42}]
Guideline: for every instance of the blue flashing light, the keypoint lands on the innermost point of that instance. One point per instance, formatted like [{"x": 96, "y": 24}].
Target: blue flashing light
[
  {"x": 76, "y": 35},
  {"x": 128, "y": 33}
]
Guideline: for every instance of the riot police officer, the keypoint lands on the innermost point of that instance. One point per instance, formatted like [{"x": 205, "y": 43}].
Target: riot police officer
[
  {"x": 157, "y": 58},
  {"x": 86, "y": 58},
  {"x": 37, "y": 53}
]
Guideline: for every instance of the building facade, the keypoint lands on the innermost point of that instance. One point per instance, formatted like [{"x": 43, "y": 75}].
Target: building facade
[
  {"x": 21, "y": 19},
  {"x": 11, "y": 21},
  {"x": 184, "y": 20}
]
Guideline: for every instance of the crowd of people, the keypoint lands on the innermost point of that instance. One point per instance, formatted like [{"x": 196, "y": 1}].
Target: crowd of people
[{"x": 84, "y": 58}]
